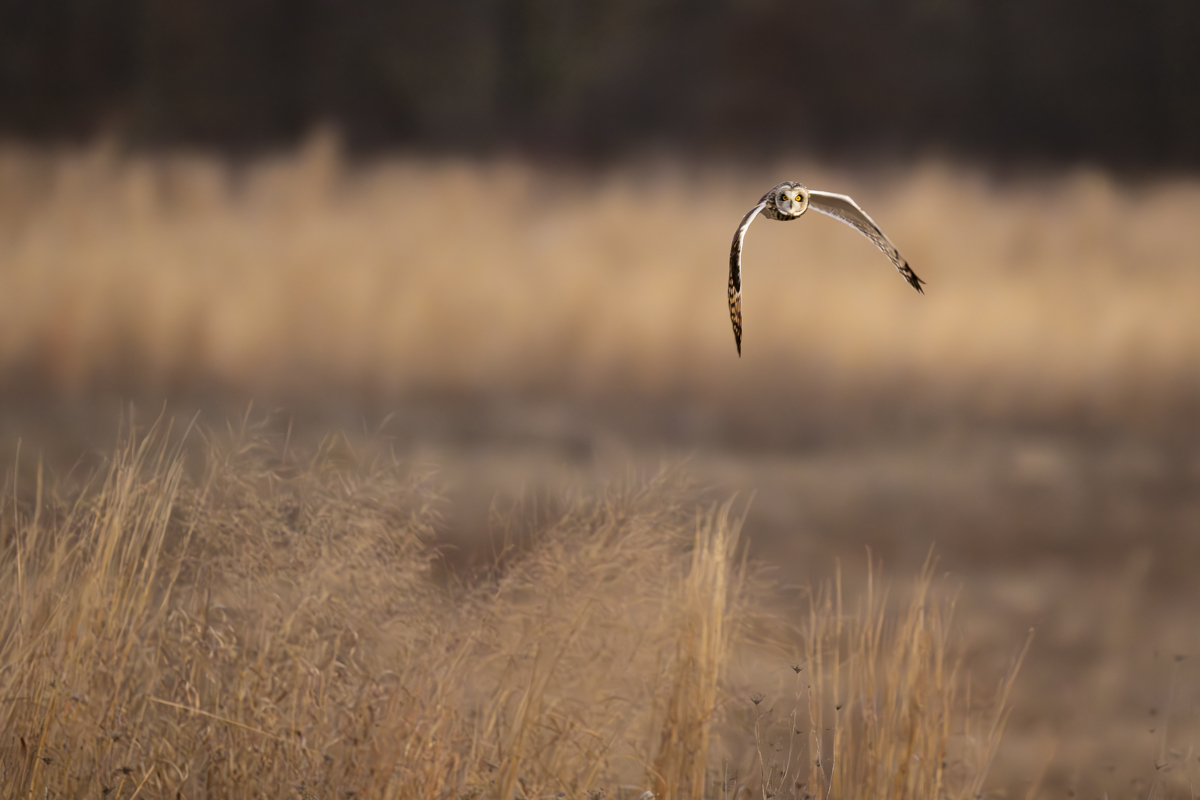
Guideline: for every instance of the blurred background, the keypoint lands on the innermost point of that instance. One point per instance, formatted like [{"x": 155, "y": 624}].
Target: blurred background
[
  {"x": 1063, "y": 81},
  {"x": 495, "y": 234}
]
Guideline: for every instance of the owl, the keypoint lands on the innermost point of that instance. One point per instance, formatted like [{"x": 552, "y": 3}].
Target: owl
[{"x": 788, "y": 201}]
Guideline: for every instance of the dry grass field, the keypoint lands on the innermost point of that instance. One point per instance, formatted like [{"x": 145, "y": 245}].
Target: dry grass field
[
  {"x": 266, "y": 624},
  {"x": 1068, "y": 296},
  {"x": 440, "y": 554}
]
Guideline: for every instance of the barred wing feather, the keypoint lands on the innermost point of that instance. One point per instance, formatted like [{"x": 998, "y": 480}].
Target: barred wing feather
[{"x": 841, "y": 207}]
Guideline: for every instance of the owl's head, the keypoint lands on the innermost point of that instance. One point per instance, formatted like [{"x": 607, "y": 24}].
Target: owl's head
[{"x": 791, "y": 199}]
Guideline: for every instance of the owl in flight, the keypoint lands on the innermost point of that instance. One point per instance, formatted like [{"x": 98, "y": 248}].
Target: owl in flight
[{"x": 788, "y": 201}]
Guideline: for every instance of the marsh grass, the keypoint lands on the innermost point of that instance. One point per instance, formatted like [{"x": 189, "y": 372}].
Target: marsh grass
[
  {"x": 876, "y": 706},
  {"x": 253, "y": 621}
]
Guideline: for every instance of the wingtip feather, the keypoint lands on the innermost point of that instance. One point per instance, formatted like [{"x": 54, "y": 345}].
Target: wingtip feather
[{"x": 912, "y": 278}]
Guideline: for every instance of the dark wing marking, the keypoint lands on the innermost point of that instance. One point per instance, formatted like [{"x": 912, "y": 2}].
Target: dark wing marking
[
  {"x": 735, "y": 273},
  {"x": 841, "y": 207}
]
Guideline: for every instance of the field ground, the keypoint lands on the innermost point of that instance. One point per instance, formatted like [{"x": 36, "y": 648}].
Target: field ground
[{"x": 526, "y": 335}]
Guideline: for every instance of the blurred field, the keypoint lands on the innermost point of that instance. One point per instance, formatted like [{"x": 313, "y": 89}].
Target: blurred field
[
  {"x": 1060, "y": 298},
  {"x": 527, "y": 335}
]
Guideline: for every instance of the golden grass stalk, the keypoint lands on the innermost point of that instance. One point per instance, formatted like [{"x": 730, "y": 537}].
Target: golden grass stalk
[
  {"x": 879, "y": 710},
  {"x": 708, "y": 592}
]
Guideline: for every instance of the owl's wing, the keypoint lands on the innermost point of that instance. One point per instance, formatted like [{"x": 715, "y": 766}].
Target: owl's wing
[
  {"x": 841, "y": 207},
  {"x": 735, "y": 273}
]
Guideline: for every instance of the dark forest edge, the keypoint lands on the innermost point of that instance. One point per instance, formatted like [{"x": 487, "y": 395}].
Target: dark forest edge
[{"x": 1015, "y": 80}]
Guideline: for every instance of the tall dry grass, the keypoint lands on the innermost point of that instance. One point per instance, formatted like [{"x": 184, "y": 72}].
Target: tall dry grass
[
  {"x": 1062, "y": 293},
  {"x": 229, "y": 617},
  {"x": 876, "y": 702}
]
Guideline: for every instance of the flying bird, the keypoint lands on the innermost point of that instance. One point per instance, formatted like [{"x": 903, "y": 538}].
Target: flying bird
[{"x": 788, "y": 201}]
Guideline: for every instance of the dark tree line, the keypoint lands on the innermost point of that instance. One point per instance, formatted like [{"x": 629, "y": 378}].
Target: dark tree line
[{"x": 1112, "y": 81}]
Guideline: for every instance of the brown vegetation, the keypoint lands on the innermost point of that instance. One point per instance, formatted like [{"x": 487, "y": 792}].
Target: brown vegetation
[
  {"x": 268, "y": 625},
  {"x": 1051, "y": 299},
  {"x": 516, "y": 332}
]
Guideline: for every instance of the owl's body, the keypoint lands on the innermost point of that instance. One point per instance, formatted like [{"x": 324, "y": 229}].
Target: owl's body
[{"x": 787, "y": 202}]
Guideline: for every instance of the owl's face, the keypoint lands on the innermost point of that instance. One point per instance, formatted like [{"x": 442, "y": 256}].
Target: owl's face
[{"x": 792, "y": 199}]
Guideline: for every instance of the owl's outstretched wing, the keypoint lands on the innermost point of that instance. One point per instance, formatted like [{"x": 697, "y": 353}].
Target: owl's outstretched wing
[
  {"x": 841, "y": 207},
  {"x": 735, "y": 273}
]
